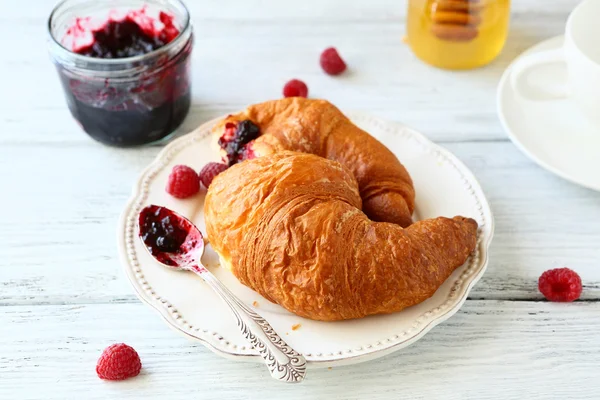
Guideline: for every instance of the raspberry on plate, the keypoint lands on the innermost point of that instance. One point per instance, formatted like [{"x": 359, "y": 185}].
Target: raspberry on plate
[
  {"x": 209, "y": 171},
  {"x": 117, "y": 362},
  {"x": 560, "y": 284},
  {"x": 331, "y": 62},
  {"x": 295, "y": 88},
  {"x": 182, "y": 182}
]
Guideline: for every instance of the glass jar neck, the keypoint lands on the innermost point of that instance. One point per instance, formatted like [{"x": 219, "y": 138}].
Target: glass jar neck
[{"x": 116, "y": 67}]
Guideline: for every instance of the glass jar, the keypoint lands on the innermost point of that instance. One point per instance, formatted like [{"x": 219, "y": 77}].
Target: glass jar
[
  {"x": 457, "y": 34},
  {"x": 127, "y": 101}
]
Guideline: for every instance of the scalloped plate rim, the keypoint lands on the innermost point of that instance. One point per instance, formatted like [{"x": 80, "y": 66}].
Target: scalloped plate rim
[{"x": 483, "y": 247}]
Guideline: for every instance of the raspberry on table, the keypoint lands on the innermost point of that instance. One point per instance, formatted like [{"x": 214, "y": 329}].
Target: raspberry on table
[
  {"x": 331, "y": 62},
  {"x": 295, "y": 88},
  {"x": 560, "y": 284},
  {"x": 117, "y": 362},
  {"x": 182, "y": 182},
  {"x": 209, "y": 171}
]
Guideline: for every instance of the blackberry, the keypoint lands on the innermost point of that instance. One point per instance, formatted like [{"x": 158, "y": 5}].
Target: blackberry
[{"x": 246, "y": 131}]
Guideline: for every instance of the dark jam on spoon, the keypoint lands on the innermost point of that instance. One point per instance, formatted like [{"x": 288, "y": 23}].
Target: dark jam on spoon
[
  {"x": 146, "y": 104},
  {"x": 160, "y": 234},
  {"x": 171, "y": 238}
]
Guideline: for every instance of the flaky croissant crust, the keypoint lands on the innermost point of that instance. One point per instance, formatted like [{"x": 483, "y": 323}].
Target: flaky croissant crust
[
  {"x": 320, "y": 128},
  {"x": 289, "y": 225}
]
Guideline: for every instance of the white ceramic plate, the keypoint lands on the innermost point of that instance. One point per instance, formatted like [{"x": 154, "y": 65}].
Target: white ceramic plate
[
  {"x": 553, "y": 133},
  {"x": 444, "y": 187}
]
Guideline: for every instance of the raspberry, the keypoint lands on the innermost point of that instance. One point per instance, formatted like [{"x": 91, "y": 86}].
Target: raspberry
[
  {"x": 246, "y": 153},
  {"x": 560, "y": 284},
  {"x": 229, "y": 134},
  {"x": 209, "y": 171},
  {"x": 331, "y": 62},
  {"x": 295, "y": 88},
  {"x": 182, "y": 182},
  {"x": 118, "y": 362}
]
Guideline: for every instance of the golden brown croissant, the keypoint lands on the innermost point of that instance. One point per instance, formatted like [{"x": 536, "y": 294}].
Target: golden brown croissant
[
  {"x": 318, "y": 127},
  {"x": 290, "y": 226}
]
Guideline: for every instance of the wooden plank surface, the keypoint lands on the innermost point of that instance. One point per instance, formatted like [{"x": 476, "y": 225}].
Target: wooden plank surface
[
  {"x": 63, "y": 296},
  {"x": 489, "y": 350}
]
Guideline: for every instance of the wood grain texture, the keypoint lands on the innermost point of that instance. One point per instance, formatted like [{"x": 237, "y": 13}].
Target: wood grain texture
[
  {"x": 489, "y": 350},
  {"x": 63, "y": 296}
]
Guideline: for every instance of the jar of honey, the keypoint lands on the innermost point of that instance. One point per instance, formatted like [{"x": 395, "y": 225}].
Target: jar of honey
[{"x": 457, "y": 34}]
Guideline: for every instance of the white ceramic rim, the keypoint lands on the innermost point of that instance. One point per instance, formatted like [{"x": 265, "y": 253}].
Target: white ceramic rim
[
  {"x": 504, "y": 83},
  {"x": 458, "y": 295}
]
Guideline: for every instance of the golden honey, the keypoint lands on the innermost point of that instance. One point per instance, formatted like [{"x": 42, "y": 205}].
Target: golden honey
[{"x": 457, "y": 34}]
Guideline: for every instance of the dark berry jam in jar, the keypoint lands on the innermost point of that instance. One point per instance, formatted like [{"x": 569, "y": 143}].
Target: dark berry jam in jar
[{"x": 124, "y": 66}]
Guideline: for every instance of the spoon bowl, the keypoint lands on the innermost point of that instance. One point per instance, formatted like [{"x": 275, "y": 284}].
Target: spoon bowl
[{"x": 170, "y": 238}]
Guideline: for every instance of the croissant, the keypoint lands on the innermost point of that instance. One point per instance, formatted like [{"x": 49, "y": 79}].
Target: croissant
[
  {"x": 318, "y": 127},
  {"x": 290, "y": 226}
]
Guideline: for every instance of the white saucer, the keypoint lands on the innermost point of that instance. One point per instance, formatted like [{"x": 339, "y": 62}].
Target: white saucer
[
  {"x": 444, "y": 186},
  {"x": 553, "y": 133}
]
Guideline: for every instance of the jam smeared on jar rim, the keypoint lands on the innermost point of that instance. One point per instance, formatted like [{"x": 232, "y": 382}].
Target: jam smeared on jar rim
[
  {"x": 136, "y": 109},
  {"x": 133, "y": 34},
  {"x": 236, "y": 141},
  {"x": 170, "y": 238}
]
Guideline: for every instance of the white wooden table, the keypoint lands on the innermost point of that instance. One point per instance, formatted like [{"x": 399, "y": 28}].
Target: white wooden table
[{"x": 64, "y": 297}]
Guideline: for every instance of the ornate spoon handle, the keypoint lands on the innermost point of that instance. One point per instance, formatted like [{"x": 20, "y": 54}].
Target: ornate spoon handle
[{"x": 285, "y": 364}]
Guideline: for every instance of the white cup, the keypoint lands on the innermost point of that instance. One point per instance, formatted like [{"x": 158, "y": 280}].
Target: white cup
[{"x": 580, "y": 53}]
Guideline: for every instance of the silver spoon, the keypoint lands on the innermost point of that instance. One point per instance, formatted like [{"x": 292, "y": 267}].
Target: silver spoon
[{"x": 176, "y": 243}]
